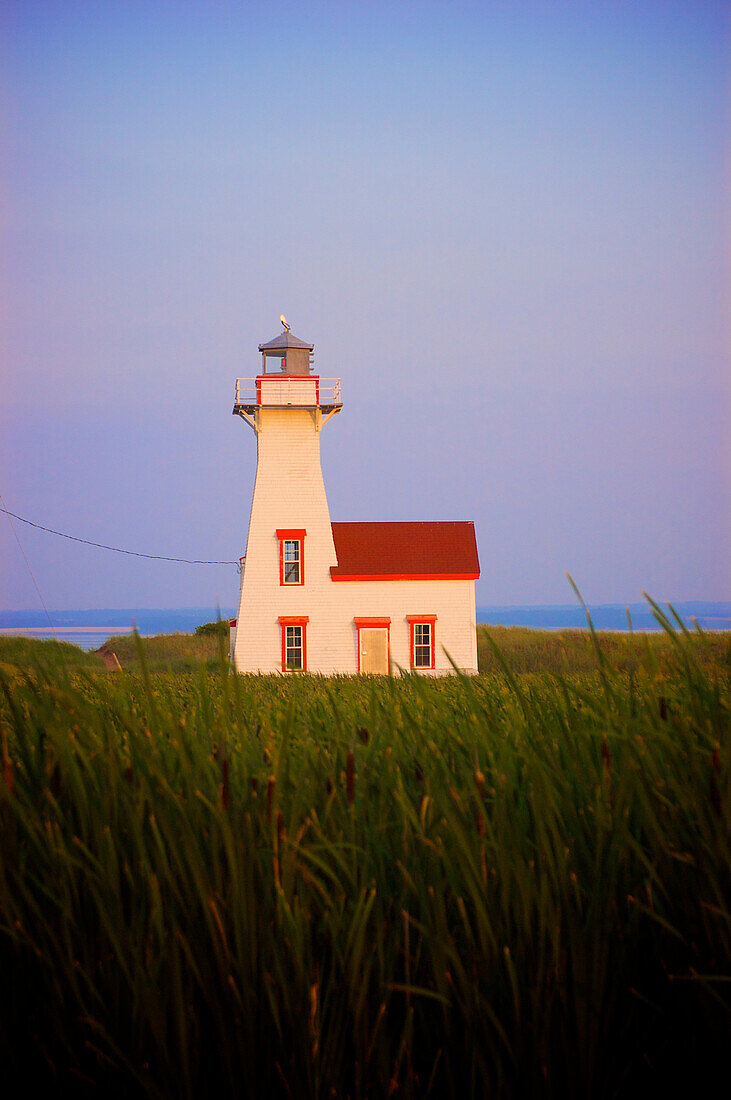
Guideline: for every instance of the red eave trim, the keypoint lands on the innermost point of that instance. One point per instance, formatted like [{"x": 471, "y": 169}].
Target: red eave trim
[
  {"x": 294, "y": 620},
  {"x": 334, "y": 575},
  {"x": 370, "y": 620}
]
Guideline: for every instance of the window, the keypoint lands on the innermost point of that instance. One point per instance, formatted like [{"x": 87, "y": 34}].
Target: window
[
  {"x": 422, "y": 645},
  {"x": 291, "y": 555},
  {"x": 294, "y": 642},
  {"x": 292, "y": 561},
  {"x": 293, "y": 647},
  {"x": 422, "y": 640}
]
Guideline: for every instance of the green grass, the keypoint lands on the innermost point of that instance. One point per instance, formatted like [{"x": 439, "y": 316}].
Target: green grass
[
  {"x": 172, "y": 652},
  {"x": 29, "y": 652},
  {"x": 516, "y": 885},
  {"x": 563, "y": 652},
  {"x": 574, "y": 651}
]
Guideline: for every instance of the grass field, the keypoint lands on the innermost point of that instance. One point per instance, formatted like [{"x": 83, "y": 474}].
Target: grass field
[
  {"x": 516, "y": 885},
  {"x": 542, "y": 651}
]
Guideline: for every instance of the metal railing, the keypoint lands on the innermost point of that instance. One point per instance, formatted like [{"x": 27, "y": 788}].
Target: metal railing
[{"x": 282, "y": 390}]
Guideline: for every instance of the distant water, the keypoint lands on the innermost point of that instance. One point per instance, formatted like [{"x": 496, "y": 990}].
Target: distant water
[
  {"x": 709, "y": 616},
  {"x": 90, "y": 629}
]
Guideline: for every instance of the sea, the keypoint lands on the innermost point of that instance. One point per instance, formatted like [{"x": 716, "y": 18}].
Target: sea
[{"x": 90, "y": 629}]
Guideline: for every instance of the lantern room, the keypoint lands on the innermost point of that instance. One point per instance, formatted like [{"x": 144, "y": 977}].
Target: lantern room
[{"x": 286, "y": 354}]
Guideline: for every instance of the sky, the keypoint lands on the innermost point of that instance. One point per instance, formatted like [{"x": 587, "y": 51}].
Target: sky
[{"x": 504, "y": 225}]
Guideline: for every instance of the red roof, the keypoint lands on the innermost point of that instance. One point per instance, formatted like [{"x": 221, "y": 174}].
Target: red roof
[{"x": 405, "y": 551}]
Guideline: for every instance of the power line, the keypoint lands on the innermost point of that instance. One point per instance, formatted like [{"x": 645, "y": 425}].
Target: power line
[
  {"x": 103, "y": 546},
  {"x": 27, "y": 565}
]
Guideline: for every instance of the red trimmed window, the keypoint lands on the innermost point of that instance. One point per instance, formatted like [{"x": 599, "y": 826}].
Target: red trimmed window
[
  {"x": 422, "y": 640},
  {"x": 294, "y": 642},
  {"x": 291, "y": 555}
]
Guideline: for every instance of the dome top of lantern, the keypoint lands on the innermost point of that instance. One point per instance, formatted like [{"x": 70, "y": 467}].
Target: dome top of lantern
[
  {"x": 286, "y": 340},
  {"x": 287, "y": 353}
]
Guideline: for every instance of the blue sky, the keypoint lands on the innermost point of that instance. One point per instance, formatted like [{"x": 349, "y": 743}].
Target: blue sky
[{"x": 504, "y": 225}]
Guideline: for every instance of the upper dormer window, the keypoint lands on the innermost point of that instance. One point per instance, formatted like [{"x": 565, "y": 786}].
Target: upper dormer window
[
  {"x": 291, "y": 555},
  {"x": 292, "y": 561}
]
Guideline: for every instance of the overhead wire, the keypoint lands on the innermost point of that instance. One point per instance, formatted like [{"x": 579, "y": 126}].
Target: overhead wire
[
  {"x": 11, "y": 516},
  {"x": 101, "y": 546}
]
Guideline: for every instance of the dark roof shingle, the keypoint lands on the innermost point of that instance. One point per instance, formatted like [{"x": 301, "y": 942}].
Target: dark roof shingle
[{"x": 395, "y": 551}]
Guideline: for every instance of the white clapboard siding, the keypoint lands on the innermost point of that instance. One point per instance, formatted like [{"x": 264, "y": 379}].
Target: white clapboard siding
[{"x": 285, "y": 390}]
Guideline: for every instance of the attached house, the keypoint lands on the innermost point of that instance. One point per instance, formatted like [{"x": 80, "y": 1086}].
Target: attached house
[{"x": 331, "y": 597}]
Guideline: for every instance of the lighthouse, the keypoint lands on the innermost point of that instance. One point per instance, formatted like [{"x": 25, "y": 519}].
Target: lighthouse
[{"x": 318, "y": 596}]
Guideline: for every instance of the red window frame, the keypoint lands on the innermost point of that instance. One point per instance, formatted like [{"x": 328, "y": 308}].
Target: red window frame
[
  {"x": 418, "y": 620},
  {"x": 291, "y": 534},
  {"x": 294, "y": 620},
  {"x": 371, "y": 622}
]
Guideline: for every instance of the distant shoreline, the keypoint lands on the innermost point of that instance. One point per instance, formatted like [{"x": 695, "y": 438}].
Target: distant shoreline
[
  {"x": 24, "y": 630},
  {"x": 91, "y": 628}
]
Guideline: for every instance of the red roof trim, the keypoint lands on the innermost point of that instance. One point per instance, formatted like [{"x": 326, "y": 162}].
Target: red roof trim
[{"x": 334, "y": 575}]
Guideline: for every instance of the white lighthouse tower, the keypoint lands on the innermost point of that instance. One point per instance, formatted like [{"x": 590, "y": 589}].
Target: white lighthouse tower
[{"x": 290, "y": 549}]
